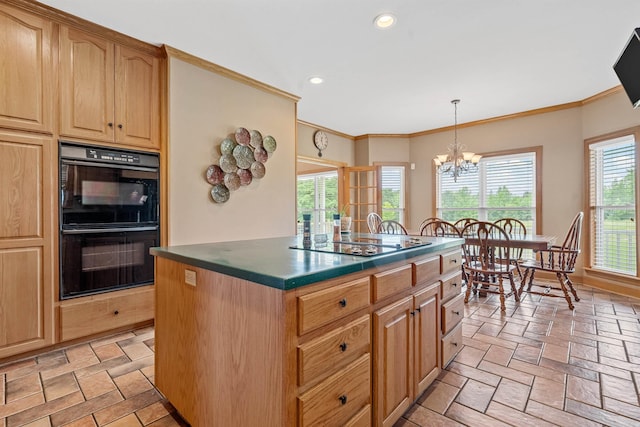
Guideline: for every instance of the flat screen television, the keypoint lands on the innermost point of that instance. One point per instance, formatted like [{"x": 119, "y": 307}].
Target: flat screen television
[{"x": 627, "y": 67}]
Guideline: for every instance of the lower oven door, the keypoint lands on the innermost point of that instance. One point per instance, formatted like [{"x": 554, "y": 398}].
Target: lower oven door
[{"x": 101, "y": 260}]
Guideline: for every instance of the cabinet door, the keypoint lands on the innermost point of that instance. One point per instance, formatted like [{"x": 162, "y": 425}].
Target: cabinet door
[
  {"x": 427, "y": 337},
  {"x": 393, "y": 361},
  {"x": 137, "y": 97},
  {"x": 26, "y": 100},
  {"x": 86, "y": 86},
  {"x": 26, "y": 263}
]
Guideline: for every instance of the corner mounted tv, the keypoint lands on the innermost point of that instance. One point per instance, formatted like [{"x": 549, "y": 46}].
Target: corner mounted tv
[{"x": 627, "y": 67}]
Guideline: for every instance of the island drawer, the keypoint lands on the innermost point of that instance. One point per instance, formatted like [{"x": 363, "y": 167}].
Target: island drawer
[
  {"x": 451, "y": 286},
  {"x": 451, "y": 344},
  {"x": 452, "y": 313},
  {"x": 334, "y": 350},
  {"x": 391, "y": 282},
  {"x": 319, "y": 308},
  {"x": 426, "y": 270},
  {"x": 451, "y": 261},
  {"x": 89, "y": 315},
  {"x": 339, "y": 398}
]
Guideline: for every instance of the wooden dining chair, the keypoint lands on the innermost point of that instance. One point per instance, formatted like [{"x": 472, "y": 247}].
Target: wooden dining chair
[
  {"x": 390, "y": 226},
  {"x": 425, "y": 221},
  {"x": 439, "y": 227},
  {"x": 486, "y": 246},
  {"x": 514, "y": 228},
  {"x": 373, "y": 221},
  {"x": 559, "y": 259},
  {"x": 463, "y": 222}
]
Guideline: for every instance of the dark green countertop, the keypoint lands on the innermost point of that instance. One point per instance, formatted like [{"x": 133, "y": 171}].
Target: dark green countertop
[{"x": 272, "y": 262}]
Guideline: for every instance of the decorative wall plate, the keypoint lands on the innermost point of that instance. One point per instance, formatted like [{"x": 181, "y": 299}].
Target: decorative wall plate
[
  {"x": 227, "y": 146},
  {"x": 269, "y": 143},
  {"x": 215, "y": 175},
  {"x": 244, "y": 156},
  {"x": 243, "y": 137},
  {"x": 256, "y": 139},
  {"x": 257, "y": 170},
  {"x": 245, "y": 176},
  {"x": 220, "y": 193},
  {"x": 261, "y": 154},
  {"x": 228, "y": 163},
  {"x": 232, "y": 181}
]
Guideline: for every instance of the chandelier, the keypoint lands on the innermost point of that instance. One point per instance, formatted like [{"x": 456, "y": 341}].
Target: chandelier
[{"x": 456, "y": 161}]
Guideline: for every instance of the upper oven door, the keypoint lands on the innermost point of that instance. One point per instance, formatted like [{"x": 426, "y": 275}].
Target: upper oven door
[{"x": 98, "y": 191}]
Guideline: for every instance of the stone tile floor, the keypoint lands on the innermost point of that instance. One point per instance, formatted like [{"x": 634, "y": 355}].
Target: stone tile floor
[{"x": 537, "y": 365}]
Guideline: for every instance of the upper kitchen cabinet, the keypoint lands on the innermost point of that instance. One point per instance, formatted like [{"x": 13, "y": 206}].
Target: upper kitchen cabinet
[
  {"x": 108, "y": 92},
  {"x": 26, "y": 80}
]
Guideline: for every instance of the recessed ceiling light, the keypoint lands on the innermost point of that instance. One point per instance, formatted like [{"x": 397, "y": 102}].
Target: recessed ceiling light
[
  {"x": 384, "y": 20},
  {"x": 316, "y": 80}
]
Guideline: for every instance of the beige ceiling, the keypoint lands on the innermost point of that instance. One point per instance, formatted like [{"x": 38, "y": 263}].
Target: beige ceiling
[{"x": 498, "y": 56}]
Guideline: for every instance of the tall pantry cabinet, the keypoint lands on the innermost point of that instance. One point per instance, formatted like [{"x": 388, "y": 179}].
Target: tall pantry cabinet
[
  {"x": 60, "y": 78},
  {"x": 26, "y": 182}
]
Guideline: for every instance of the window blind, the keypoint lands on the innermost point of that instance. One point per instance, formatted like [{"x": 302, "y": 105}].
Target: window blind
[
  {"x": 612, "y": 204},
  {"x": 393, "y": 193},
  {"x": 501, "y": 187}
]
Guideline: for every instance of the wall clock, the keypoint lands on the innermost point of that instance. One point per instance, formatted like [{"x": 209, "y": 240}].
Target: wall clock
[{"x": 321, "y": 141}]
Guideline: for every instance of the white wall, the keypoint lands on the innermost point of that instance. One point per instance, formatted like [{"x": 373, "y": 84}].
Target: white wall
[{"x": 204, "y": 107}]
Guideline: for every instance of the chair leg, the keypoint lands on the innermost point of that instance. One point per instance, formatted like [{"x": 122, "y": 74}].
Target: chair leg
[
  {"x": 564, "y": 289},
  {"x": 469, "y": 286},
  {"x": 571, "y": 288},
  {"x": 524, "y": 281},
  {"x": 513, "y": 287},
  {"x": 533, "y": 272},
  {"x": 503, "y": 308}
]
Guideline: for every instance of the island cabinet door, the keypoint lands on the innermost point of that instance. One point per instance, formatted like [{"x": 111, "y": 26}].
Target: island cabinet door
[
  {"x": 393, "y": 361},
  {"x": 427, "y": 337}
]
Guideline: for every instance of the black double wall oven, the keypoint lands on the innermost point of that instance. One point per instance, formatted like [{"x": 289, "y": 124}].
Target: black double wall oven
[{"x": 109, "y": 218}]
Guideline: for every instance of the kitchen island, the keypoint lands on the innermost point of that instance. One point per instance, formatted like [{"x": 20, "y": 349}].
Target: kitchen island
[{"x": 259, "y": 333}]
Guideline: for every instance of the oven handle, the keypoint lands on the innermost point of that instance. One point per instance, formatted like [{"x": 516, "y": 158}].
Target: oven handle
[
  {"x": 108, "y": 165},
  {"x": 108, "y": 230}
]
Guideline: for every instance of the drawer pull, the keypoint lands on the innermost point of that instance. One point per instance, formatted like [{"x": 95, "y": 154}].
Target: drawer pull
[
  {"x": 343, "y": 346},
  {"x": 343, "y": 302},
  {"x": 343, "y": 399},
  {"x": 457, "y": 313},
  {"x": 455, "y": 344},
  {"x": 116, "y": 312},
  {"x": 454, "y": 284},
  {"x": 453, "y": 260},
  {"x": 110, "y": 124},
  {"x": 418, "y": 309}
]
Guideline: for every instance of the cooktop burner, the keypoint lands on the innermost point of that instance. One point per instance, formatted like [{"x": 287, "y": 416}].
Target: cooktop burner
[{"x": 368, "y": 245}]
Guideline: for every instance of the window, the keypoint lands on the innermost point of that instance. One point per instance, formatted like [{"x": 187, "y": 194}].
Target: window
[
  {"x": 503, "y": 186},
  {"x": 612, "y": 204},
  {"x": 318, "y": 196},
  {"x": 393, "y": 193}
]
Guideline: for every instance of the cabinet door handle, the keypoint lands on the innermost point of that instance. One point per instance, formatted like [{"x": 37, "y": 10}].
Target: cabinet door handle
[
  {"x": 120, "y": 126},
  {"x": 418, "y": 309},
  {"x": 413, "y": 313},
  {"x": 343, "y": 399},
  {"x": 343, "y": 302},
  {"x": 110, "y": 124},
  {"x": 454, "y": 260},
  {"x": 455, "y": 344},
  {"x": 457, "y": 313},
  {"x": 343, "y": 346},
  {"x": 116, "y": 312},
  {"x": 454, "y": 284}
]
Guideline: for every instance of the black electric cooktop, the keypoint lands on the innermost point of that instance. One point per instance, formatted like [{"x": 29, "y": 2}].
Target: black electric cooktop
[{"x": 370, "y": 245}]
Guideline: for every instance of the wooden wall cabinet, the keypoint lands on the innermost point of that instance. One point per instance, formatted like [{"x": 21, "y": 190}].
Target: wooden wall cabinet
[
  {"x": 108, "y": 92},
  {"x": 26, "y": 246},
  {"x": 26, "y": 80}
]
